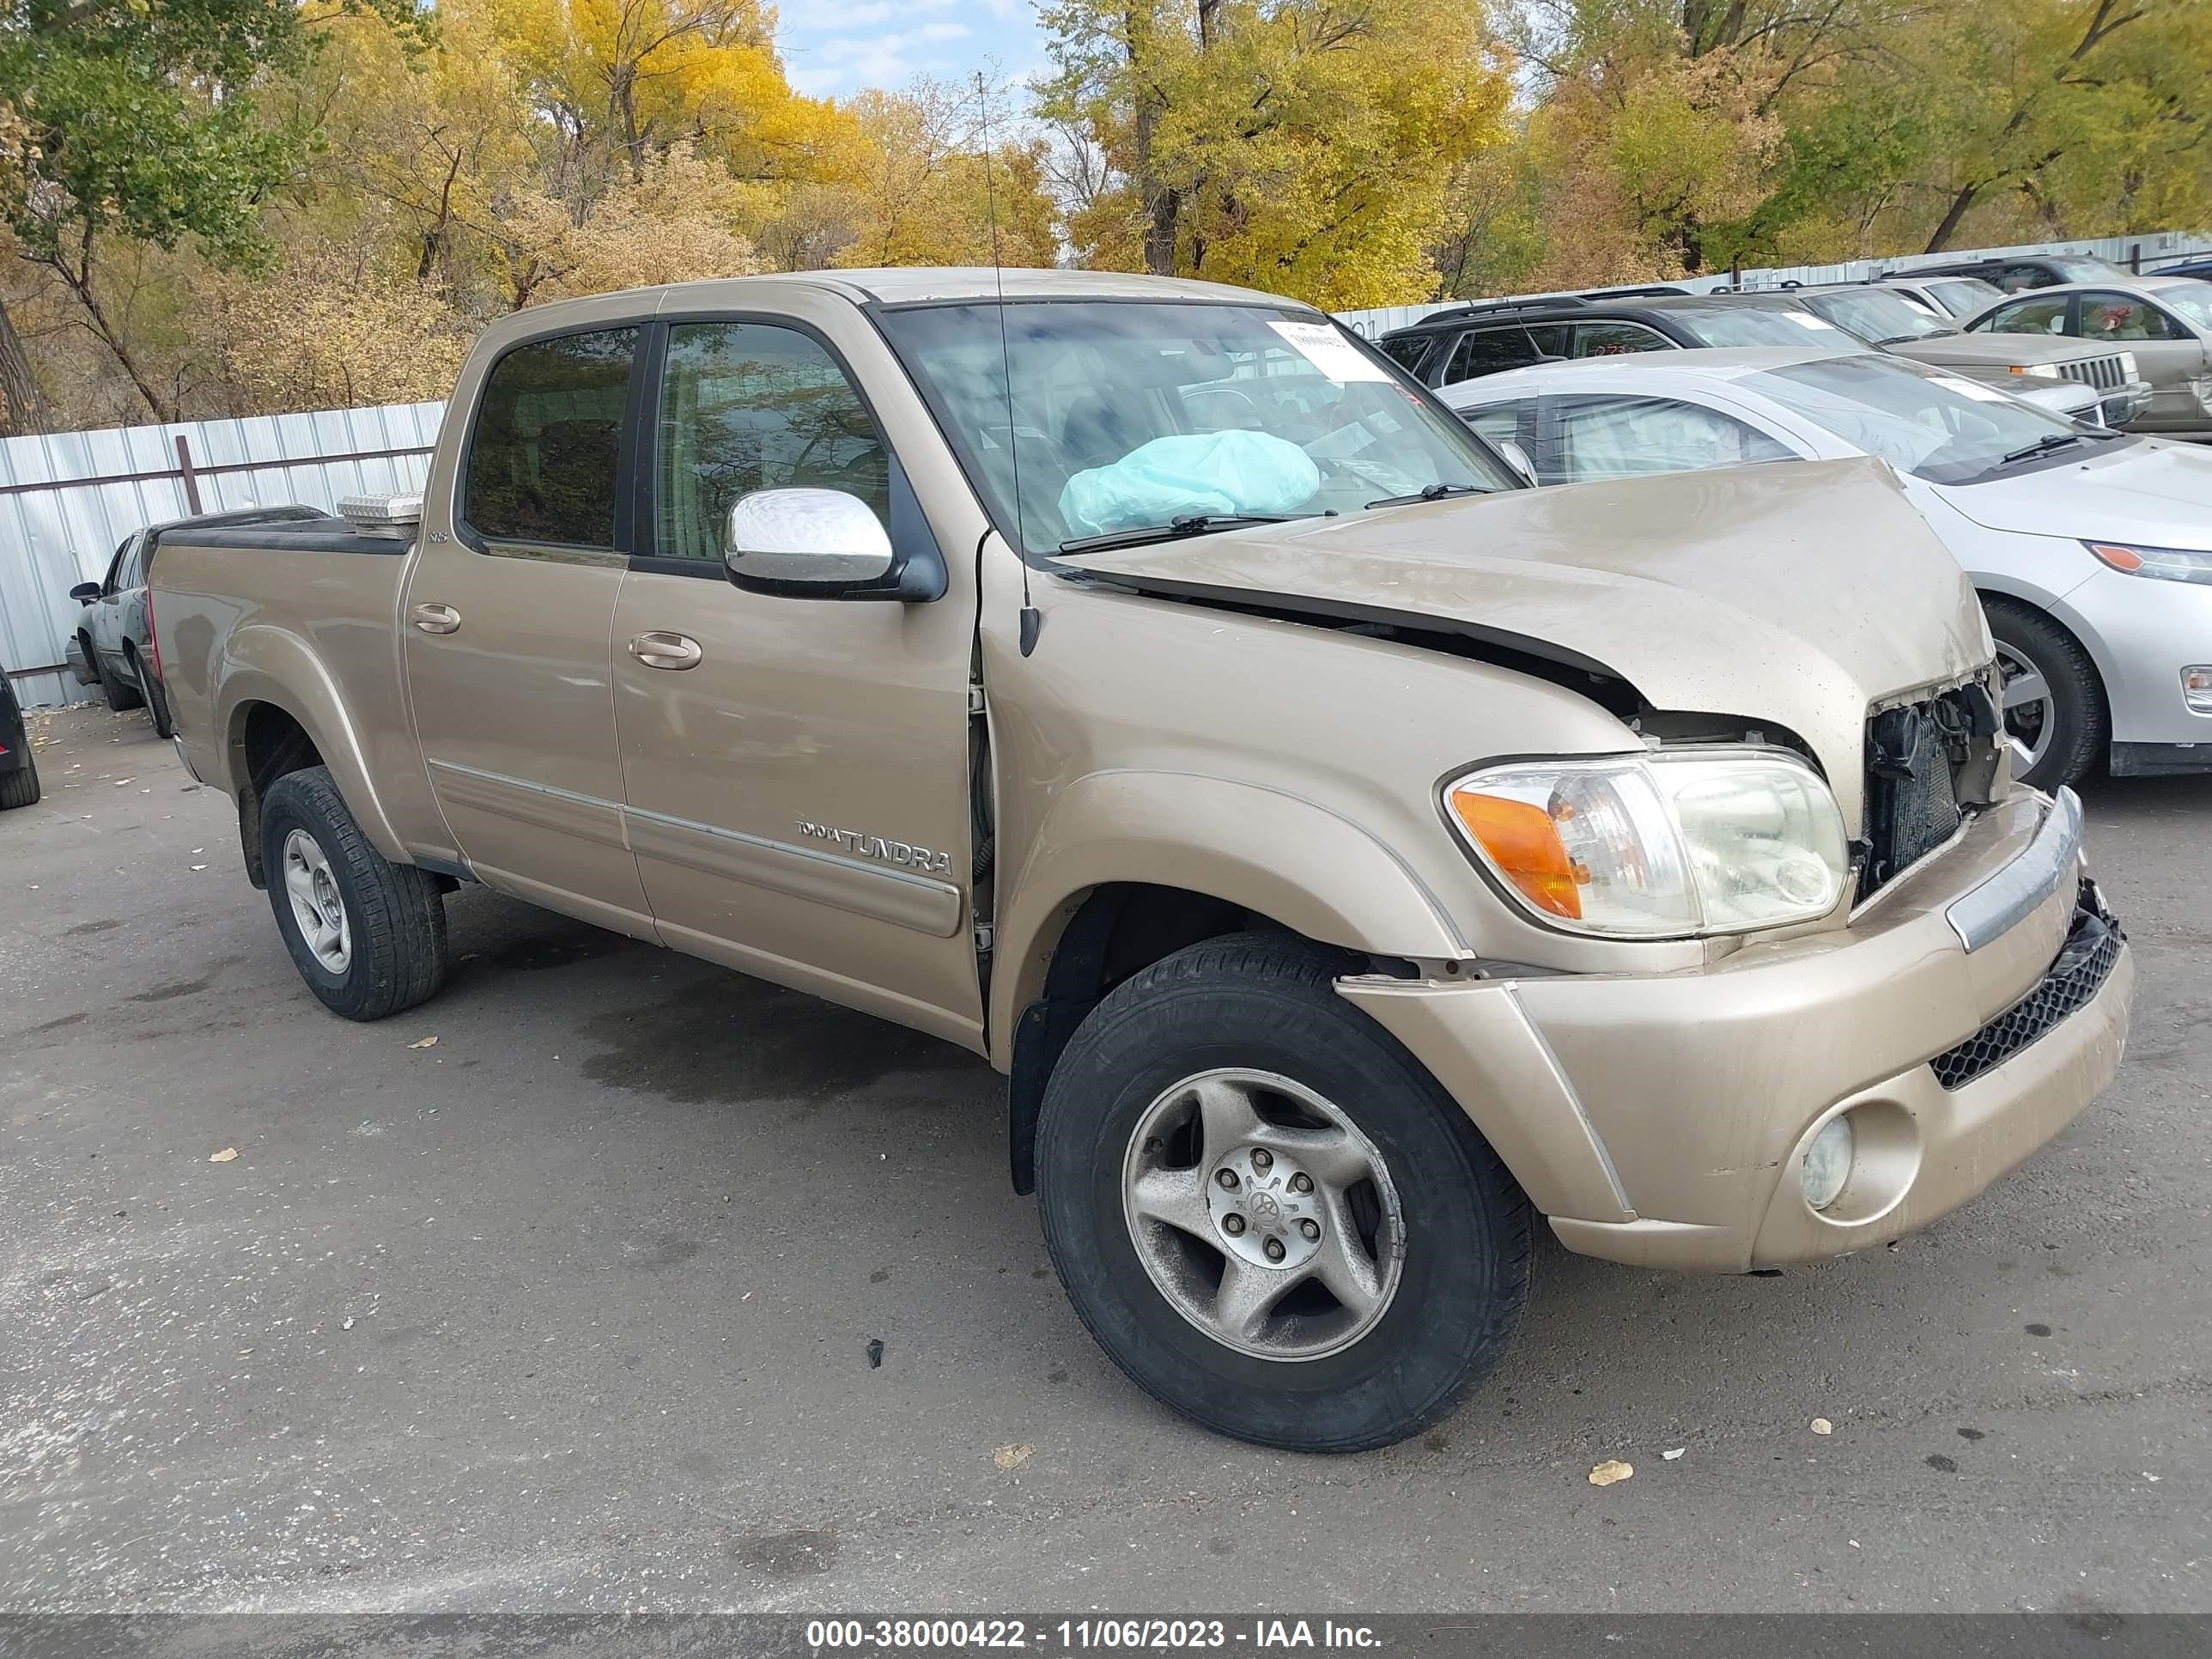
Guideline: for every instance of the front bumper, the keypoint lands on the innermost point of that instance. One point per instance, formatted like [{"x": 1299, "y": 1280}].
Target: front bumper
[
  {"x": 2125, "y": 403},
  {"x": 1662, "y": 1120}
]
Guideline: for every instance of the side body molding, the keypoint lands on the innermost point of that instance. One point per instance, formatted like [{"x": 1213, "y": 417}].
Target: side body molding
[
  {"x": 266, "y": 664},
  {"x": 1279, "y": 855}
]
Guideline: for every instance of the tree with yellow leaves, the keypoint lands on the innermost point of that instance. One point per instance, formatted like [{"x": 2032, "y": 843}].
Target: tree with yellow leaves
[{"x": 1303, "y": 146}]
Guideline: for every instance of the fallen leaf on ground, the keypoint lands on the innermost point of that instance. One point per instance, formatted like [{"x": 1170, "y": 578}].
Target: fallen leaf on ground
[
  {"x": 1671, "y": 1455},
  {"x": 1611, "y": 1470},
  {"x": 1011, "y": 1457},
  {"x": 225, "y": 1155},
  {"x": 346, "y": 1324},
  {"x": 1821, "y": 1425},
  {"x": 199, "y": 866},
  {"x": 427, "y": 1043}
]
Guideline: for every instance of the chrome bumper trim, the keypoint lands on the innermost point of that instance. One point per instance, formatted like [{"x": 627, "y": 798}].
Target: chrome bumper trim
[{"x": 2000, "y": 904}]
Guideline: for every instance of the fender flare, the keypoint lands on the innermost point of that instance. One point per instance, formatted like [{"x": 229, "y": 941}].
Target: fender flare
[
  {"x": 271, "y": 664},
  {"x": 1281, "y": 856}
]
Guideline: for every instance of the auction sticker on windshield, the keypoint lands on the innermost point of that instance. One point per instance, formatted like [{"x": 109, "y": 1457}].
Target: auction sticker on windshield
[{"x": 1328, "y": 351}]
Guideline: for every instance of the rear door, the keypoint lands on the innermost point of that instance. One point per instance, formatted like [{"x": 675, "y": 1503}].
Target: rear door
[
  {"x": 505, "y": 617},
  {"x": 797, "y": 771}
]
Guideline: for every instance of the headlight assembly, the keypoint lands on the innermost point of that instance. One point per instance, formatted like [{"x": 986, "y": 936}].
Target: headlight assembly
[
  {"x": 2165, "y": 564},
  {"x": 1658, "y": 846}
]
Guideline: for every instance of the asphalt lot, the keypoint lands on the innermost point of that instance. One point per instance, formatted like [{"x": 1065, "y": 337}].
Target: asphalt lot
[{"x": 573, "y": 1310}]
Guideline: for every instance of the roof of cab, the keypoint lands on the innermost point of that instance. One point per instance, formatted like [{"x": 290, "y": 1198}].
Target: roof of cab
[
  {"x": 908, "y": 285},
  {"x": 1712, "y": 362}
]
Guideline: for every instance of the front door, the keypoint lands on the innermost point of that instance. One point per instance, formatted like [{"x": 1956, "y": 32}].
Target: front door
[
  {"x": 796, "y": 770},
  {"x": 2166, "y": 350},
  {"x": 506, "y": 619}
]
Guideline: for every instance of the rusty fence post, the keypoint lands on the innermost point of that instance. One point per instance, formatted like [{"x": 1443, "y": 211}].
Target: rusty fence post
[{"x": 192, "y": 478}]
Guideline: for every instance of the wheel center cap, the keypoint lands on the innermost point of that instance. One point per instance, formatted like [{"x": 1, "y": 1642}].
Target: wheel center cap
[{"x": 1265, "y": 1209}]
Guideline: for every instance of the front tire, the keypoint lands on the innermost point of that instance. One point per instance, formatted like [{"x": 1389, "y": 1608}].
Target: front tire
[
  {"x": 120, "y": 697},
  {"x": 1361, "y": 1271},
  {"x": 367, "y": 935},
  {"x": 2054, "y": 704}
]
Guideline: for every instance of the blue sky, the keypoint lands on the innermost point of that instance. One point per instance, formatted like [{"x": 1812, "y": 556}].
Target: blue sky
[{"x": 836, "y": 47}]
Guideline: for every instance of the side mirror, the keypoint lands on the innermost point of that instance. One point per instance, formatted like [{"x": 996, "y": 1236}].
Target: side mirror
[
  {"x": 1516, "y": 458},
  {"x": 85, "y": 592},
  {"x": 807, "y": 544}
]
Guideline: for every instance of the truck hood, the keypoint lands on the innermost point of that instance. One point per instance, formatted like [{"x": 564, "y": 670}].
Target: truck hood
[
  {"x": 1795, "y": 595},
  {"x": 2151, "y": 492},
  {"x": 1986, "y": 351}
]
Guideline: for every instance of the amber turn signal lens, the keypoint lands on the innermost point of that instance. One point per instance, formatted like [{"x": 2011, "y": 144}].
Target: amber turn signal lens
[
  {"x": 1523, "y": 843},
  {"x": 2120, "y": 558}
]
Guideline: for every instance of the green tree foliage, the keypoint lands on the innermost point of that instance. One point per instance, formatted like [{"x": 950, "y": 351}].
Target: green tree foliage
[{"x": 137, "y": 119}]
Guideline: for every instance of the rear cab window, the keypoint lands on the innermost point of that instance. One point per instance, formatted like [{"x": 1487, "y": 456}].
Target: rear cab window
[{"x": 545, "y": 450}]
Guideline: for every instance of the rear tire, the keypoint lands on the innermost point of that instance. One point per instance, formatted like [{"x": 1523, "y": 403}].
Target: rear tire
[
  {"x": 1438, "y": 1285},
  {"x": 21, "y": 786},
  {"x": 2057, "y": 731},
  {"x": 378, "y": 941},
  {"x": 120, "y": 697}
]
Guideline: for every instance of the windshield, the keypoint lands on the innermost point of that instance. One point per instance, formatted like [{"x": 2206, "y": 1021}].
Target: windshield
[
  {"x": 1129, "y": 416},
  {"x": 1760, "y": 326},
  {"x": 1933, "y": 425},
  {"x": 2193, "y": 305},
  {"x": 1877, "y": 318}
]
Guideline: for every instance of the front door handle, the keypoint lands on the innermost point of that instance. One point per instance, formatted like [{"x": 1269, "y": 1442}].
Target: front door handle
[
  {"x": 437, "y": 618},
  {"x": 658, "y": 650}
]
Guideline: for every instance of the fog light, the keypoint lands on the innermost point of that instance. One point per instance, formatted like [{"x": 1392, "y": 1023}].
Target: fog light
[
  {"x": 1827, "y": 1163},
  {"x": 2197, "y": 689}
]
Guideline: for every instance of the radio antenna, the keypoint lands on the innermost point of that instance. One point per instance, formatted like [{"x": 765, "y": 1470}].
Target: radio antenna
[{"x": 1030, "y": 621}]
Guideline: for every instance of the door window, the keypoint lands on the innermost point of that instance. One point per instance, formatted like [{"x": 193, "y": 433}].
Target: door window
[
  {"x": 1632, "y": 437},
  {"x": 2045, "y": 316},
  {"x": 1612, "y": 339},
  {"x": 1407, "y": 350},
  {"x": 1489, "y": 350},
  {"x": 114, "y": 579},
  {"x": 1498, "y": 420},
  {"x": 748, "y": 406},
  {"x": 546, "y": 448},
  {"x": 2125, "y": 317}
]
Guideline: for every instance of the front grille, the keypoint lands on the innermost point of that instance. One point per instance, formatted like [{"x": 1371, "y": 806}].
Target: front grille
[
  {"x": 2083, "y": 965},
  {"x": 2103, "y": 373}
]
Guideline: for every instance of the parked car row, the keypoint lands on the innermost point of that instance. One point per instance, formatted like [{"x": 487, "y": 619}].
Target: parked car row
[
  {"x": 2076, "y": 539},
  {"x": 1351, "y": 853}
]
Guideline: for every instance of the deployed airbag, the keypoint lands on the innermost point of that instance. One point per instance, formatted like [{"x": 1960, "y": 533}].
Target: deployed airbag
[{"x": 1216, "y": 473}]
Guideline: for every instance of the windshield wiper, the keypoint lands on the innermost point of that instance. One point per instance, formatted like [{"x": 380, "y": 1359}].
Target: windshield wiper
[
  {"x": 1435, "y": 492},
  {"x": 1191, "y": 524},
  {"x": 2044, "y": 446},
  {"x": 1907, "y": 339}
]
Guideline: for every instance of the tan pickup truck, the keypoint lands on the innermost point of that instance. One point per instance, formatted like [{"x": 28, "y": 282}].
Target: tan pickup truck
[{"x": 1349, "y": 854}]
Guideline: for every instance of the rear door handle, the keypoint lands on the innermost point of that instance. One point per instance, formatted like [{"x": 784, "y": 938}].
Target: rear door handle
[
  {"x": 658, "y": 650},
  {"x": 437, "y": 618}
]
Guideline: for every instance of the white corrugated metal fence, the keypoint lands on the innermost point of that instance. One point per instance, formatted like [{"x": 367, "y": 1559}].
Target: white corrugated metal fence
[{"x": 68, "y": 499}]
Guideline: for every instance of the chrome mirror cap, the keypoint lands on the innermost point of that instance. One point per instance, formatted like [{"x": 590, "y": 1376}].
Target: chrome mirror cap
[{"x": 805, "y": 536}]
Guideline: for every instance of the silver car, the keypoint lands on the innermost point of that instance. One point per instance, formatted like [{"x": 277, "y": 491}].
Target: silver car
[
  {"x": 2092, "y": 549},
  {"x": 2164, "y": 322},
  {"x": 1944, "y": 297}
]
